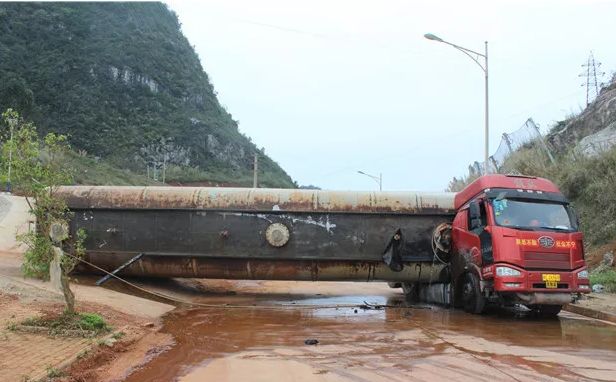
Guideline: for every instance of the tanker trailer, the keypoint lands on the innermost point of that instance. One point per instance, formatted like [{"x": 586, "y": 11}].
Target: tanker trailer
[{"x": 264, "y": 234}]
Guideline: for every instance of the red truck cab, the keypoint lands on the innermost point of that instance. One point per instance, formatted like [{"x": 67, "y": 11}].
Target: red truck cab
[{"x": 515, "y": 240}]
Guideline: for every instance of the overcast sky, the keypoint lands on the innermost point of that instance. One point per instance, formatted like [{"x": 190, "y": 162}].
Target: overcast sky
[{"x": 332, "y": 87}]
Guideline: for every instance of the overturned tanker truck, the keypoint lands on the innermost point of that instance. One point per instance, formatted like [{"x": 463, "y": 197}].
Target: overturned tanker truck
[{"x": 502, "y": 240}]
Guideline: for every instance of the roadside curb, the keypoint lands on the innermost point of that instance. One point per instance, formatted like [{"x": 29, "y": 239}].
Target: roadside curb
[{"x": 605, "y": 316}]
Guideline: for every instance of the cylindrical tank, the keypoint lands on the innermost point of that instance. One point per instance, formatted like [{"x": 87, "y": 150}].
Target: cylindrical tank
[{"x": 241, "y": 233}]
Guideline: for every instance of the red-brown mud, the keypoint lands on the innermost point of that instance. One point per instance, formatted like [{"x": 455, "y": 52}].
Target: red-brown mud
[{"x": 392, "y": 344}]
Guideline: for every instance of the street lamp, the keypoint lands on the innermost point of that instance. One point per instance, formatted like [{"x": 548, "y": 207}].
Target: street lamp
[
  {"x": 377, "y": 179},
  {"x": 475, "y": 56}
]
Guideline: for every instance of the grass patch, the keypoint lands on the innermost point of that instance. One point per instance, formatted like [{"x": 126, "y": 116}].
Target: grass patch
[
  {"x": 89, "y": 171},
  {"x": 92, "y": 321},
  {"x": 604, "y": 276},
  {"x": 52, "y": 372},
  {"x": 65, "y": 324}
]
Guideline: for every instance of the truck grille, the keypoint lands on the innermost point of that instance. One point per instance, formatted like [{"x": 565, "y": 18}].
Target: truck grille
[{"x": 547, "y": 261}]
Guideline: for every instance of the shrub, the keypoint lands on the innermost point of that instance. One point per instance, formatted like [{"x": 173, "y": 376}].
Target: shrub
[
  {"x": 604, "y": 276},
  {"x": 92, "y": 321}
]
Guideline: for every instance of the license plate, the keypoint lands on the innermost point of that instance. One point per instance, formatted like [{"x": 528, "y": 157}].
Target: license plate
[
  {"x": 551, "y": 280},
  {"x": 550, "y": 277}
]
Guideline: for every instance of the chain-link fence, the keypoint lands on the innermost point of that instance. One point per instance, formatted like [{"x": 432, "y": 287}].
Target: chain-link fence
[{"x": 510, "y": 142}]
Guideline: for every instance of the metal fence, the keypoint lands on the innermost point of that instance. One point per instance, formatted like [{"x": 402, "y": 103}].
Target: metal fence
[{"x": 510, "y": 142}]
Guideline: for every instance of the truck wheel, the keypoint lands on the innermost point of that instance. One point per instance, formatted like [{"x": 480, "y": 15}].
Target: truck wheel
[
  {"x": 472, "y": 299},
  {"x": 546, "y": 311},
  {"x": 411, "y": 292}
]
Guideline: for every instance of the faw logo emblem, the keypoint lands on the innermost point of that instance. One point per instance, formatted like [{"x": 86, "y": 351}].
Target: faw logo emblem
[{"x": 546, "y": 242}]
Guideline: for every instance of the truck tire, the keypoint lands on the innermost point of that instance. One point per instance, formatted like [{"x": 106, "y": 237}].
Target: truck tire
[
  {"x": 472, "y": 299},
  {"x": 546, "y": 311},
  {"x": 411, "y": 292}
]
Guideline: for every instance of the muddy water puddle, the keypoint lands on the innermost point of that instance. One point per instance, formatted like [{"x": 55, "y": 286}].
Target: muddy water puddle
[{"x": 390, "y": 344}]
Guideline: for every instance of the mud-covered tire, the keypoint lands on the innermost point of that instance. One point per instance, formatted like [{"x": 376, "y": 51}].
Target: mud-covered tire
[
  {"x": 472, "y": 299},
  {"x": 546, "y": 311}
]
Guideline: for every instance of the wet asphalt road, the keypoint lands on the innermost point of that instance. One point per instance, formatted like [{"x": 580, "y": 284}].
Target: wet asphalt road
[{"x": 421, "y": 343}]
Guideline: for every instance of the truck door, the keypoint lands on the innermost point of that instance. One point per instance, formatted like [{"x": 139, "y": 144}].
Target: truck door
[
  {"x": 472, "y": 243},
  {"x": 478, "y": 221}
]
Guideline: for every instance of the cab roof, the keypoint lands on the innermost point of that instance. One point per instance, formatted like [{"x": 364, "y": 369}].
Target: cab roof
[{"x": 515, "y": 182}]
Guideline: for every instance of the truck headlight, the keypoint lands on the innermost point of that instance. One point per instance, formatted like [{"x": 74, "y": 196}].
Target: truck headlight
[
  {"x": 506, "y": 271},
  {"x": 583, "y": 274}
]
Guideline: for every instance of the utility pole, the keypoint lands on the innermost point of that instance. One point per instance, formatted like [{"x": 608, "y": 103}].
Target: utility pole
[
  {"x": 486, "y": 148},
  {"x": 9, "y": 186},
  {"x": 592, "y": 82},
  {"x": 255, "y": 171},
  {"x": 164, "y": 166}
]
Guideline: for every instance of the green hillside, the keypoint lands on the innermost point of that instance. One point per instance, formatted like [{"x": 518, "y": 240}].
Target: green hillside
[{"x": 126, "y": 86}]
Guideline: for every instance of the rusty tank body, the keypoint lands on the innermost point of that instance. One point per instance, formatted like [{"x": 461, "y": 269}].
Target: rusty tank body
[{"x": 261, "y": 234}]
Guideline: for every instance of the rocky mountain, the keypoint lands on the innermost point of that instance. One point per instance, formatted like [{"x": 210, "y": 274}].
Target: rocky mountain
[
  {"x": 593, "y": 130},
  {"x": 126, "y": 86}
]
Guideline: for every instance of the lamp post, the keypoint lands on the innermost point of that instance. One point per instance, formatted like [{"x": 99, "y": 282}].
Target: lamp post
[
  {"x": 483, "y": 67},
  {"x": 377, "y": 179}
]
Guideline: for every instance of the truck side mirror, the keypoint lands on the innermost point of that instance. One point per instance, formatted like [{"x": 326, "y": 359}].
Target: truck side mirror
[{"x": 474, "y": 213}]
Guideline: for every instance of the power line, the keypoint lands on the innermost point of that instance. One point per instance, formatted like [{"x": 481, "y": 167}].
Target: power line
[{"x": 592, "y": 76}]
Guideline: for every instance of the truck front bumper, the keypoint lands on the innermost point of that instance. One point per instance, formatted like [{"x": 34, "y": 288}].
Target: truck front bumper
[
  {"x": 533, "y": 282},
  {"x": 540, "y": 298}
]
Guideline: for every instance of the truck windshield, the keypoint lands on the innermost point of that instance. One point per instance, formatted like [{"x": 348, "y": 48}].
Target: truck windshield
[{"x": 534, "y": 215}]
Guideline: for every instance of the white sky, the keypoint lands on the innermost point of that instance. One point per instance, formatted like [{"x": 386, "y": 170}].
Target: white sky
[{"x": 333, "y": 87}]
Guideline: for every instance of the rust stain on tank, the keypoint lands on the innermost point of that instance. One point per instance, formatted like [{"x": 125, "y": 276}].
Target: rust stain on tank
[
  {"x": 174, "y": 266},
  {"x": 245, "y": 199}
]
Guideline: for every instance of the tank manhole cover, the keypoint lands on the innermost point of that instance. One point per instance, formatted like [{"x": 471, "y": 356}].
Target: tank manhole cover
[{"x": 277, "y": 234}]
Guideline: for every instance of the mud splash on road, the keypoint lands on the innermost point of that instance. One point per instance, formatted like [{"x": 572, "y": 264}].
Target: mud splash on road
[{"x": 393, "y": 344}]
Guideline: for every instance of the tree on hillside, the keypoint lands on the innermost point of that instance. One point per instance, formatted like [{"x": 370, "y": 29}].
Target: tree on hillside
[
  {"x": 36, "y": 169},
  {"x": 15, "y": 93}
]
